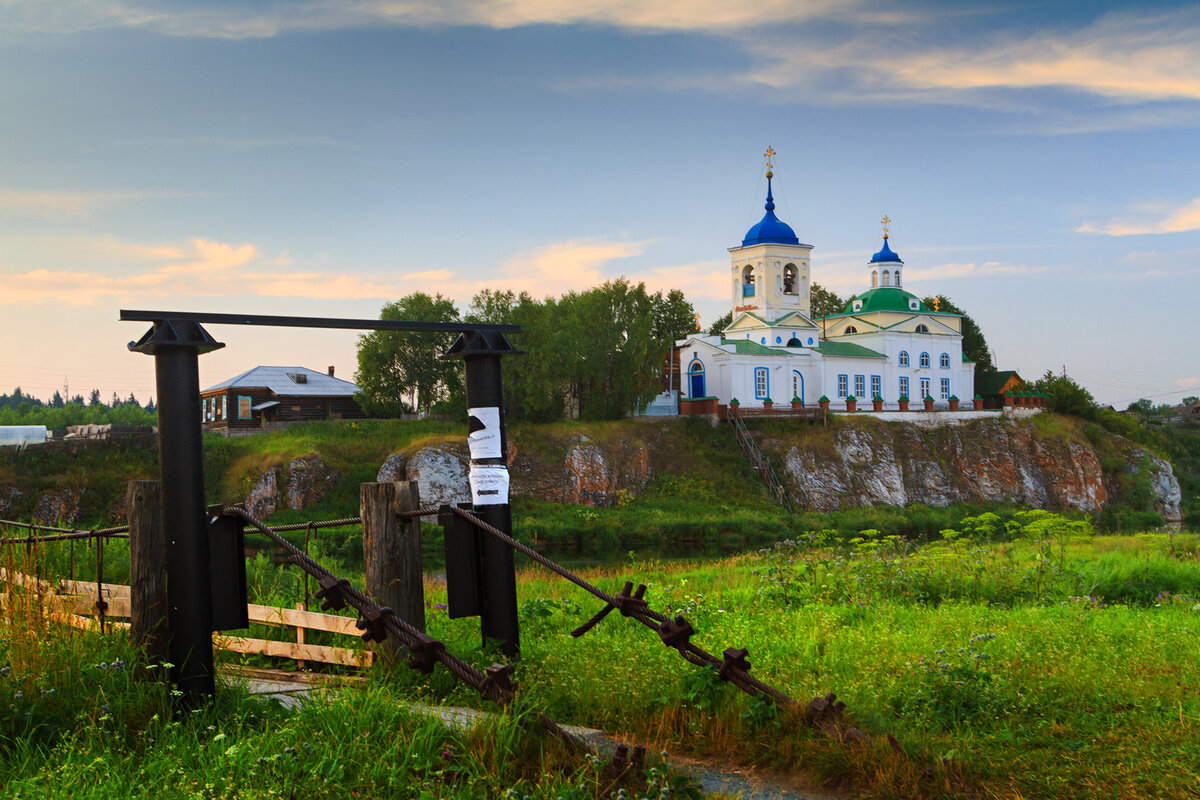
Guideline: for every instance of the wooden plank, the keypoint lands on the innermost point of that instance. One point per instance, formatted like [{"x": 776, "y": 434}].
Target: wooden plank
[
  {"x": 312, "y": 620},
  {"x": 306, "y": 652},
  {"x": 88, "y": 588}
]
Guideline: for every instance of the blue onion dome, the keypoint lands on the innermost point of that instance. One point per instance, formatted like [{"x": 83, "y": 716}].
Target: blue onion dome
[
  {"x": 771, "y": 229},
  {"x": 886, "y": 256}
]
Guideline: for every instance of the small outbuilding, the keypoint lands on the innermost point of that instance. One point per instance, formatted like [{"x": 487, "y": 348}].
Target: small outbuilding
[{"x": 278, "y": 394}]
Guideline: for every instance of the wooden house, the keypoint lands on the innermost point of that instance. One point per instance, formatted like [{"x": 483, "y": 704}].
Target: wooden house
[
  {"x": 278, "y": 394},
  {"x": 994, "y": 386}
]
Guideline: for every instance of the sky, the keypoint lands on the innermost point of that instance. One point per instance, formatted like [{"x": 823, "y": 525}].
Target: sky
[{"x": 1040, "y": 163}]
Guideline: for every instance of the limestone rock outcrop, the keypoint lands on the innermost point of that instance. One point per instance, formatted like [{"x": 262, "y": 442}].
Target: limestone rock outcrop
[{"x": 309, "y": 480}]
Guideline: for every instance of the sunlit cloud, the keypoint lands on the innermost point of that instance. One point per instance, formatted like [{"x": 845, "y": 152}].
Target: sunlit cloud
[
  {"x": 1185, "y": 218},
  {"x": 49, "y": 204},
  {"x": 1188, "y": 383}
]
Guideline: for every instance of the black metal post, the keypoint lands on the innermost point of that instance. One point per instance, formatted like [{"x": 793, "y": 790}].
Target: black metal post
[
  {"x": 176, "y": 346},
  {"x": 481, "y": 351}
]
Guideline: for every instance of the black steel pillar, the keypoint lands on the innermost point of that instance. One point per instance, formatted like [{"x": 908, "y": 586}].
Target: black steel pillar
[
  {"x": 481, "y": 351},
  {"x": 176, "y": 346}
]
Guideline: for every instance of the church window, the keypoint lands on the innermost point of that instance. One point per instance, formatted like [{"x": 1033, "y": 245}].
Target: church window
[
  {"x": 922, "y": 329},
  {"x": 874, "y": 278},
  {"x": 897, "y": 277},
  {"x": 794, "y": 342},
  {"x": 843, "y": 385},
  {"x": 763, "y": 340},
  {"x": 924, "y": 388},
  {"x": 748, "y": 281},
  {"x": 789, "y": 279},
  {"x": 945, "y": 388},
  {"x": 810, "y": 340},
  {"x": 904, "y": 387},
  {"x": 860, "y": 386},
  {"x": 944, "y": 361},
  {"x": 887, "y": 278},
  {"x": 904, "y": 358},
  {"x": 798, "y": 386},
  {"x": 761, "y": 386},
  {"x": 851, "y": 329},
  {"x": 778, "y": 340},
  {"x": 924, "y": 359},
  {"x": 876, "y": 386}
]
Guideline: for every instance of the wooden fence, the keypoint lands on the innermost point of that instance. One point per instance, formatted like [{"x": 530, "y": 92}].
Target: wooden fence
[{"x": 74, "y": 603}]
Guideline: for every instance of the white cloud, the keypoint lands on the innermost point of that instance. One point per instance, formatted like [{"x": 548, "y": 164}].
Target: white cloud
[
  {"x": 49, "y": 204},
  {"x": 1184, "y": 218},
  {"x": 968, "y": 270},
  {"x": 1188, "y": 383}
]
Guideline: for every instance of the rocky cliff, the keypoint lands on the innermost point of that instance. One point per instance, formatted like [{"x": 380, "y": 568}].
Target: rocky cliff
[{"x": 868, "y": 463}]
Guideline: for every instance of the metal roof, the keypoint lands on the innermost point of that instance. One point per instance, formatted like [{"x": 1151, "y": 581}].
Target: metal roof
[{"x": 280, "y": 380}]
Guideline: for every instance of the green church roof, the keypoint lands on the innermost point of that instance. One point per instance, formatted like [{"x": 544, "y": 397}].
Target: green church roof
[
  {"x": 747, "y": 347},
  {"x": 884, "y": 299},
  {"x": 848, "y": 349}
]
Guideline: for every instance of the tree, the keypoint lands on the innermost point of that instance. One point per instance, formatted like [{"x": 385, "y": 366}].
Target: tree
[
  {"x": 975, "y": 346},
  {"x": 823, "y": 302},
  {"x": 721, "y": 324},
  {"x": 57, "y": 401},
  {"x": 94, "y": 398},
  {"x": 1191, "y": 401},
  {"x": 399, "y": 370},
  {"x": 674, "y": 317},
  {"x": 1065, "y": 396},
  {"x": 1143, "y": 407}
]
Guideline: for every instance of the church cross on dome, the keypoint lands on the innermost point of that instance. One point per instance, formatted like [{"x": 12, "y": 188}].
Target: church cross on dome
[
  {"x": 885, "y": 222},
  {"x": 768, "y": 156}
]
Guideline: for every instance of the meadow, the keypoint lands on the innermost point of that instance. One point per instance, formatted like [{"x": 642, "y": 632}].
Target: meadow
[{"x": 1010, "y": 656}]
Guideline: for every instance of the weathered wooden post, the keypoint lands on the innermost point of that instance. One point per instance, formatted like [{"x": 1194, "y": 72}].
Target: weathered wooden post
[
  {"x": 147, "y": 576},
  {"x": 392, "y": 554}
]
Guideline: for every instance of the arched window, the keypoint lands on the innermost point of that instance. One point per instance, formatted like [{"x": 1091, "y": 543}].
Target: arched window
[
  {"x": 798, "y": 386},
  {"x": 696, "y": 378},
  {"x": 922, "y": 329},
  {"x": 794, "y": 342},
  {"x": 924, "y": 359},
  {"x": 748, "y": 281},
  {"x": 789, "y": 280},
  {"x": 874, "y": 278},
  {"x": 850, "y": 329},
  {"x": 944, "y": 361},
  {"x": 897, "y": 277},
  {"x": 904, "y": 358},
  {"x": 887, "y": 278}
]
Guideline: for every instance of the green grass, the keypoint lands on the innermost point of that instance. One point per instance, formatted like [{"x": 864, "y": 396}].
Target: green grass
[{"x": 1011, "y": 656}]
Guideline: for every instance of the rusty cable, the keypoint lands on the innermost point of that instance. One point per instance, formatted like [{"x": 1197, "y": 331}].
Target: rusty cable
[
  {"x": 493, "y": 685},
  {"x": 734, "y": 672}
]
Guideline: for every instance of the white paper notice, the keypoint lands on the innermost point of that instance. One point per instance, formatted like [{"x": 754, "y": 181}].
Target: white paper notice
[
  {"x": 489, "y": 484},
  {"x": 483, "y": 432}
]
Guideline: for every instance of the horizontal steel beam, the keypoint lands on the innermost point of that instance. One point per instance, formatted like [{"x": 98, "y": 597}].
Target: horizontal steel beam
[{"x": 129, "y": 315}]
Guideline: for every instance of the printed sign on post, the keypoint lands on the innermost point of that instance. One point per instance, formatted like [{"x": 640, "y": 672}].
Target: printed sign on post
[
  {"x": 483, "y": 432},
  {"x": 489, "y": 484}
]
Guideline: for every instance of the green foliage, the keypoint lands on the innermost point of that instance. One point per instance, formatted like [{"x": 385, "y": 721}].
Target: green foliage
[
  {"x": 824, "y": 302},
  {"x": 58, "y": 418},
  {"x": 1065, "y": 396},
  {"x": 974, "y": 344},
  {"x": 722, "y": 322},
  {"x": 400, "y": 371}
]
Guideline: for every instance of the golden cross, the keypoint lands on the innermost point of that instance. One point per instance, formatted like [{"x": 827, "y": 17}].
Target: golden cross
[
  {"x": 886, "y": 220},
  {"x": 937, "y": 304},
  {"x": 769, "y": 155}
]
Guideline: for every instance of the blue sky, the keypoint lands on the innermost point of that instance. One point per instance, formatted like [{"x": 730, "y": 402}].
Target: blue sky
[{"x": 1038, "y": 160}]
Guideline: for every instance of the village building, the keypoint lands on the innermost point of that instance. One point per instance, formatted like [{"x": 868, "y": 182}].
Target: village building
[
  {"x": 278, "y": 394},
  {"x": 886, "y": 344}
]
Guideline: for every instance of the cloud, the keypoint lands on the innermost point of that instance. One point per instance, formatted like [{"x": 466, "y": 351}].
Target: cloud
[
  {"x": 264, "y": 20},
  {"x": 1185, "y": 218},
  {"x": 1188, "y": 383},
  {"x": 206, "y": 268},
  {"x": 69, "y": 204}
]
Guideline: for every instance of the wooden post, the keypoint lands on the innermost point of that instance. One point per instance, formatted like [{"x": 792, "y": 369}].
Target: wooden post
[
  {"x": 147, "y": 570},
  {"x": 392, "y": 553}
]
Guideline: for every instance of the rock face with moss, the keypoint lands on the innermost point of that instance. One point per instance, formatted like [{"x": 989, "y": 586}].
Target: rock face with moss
[{"x": 870, "y": 463}]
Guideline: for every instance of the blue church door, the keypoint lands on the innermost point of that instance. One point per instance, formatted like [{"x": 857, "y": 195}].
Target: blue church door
[{"x": 696, "y": 373}]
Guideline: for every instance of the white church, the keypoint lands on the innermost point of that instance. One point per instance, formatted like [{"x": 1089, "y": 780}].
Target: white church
[{"x": 886, "y": 344}]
